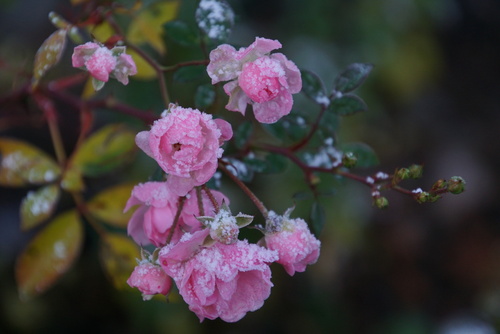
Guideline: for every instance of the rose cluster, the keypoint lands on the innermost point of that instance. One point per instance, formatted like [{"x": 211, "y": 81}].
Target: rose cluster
[{"x": 194, "y": 234}]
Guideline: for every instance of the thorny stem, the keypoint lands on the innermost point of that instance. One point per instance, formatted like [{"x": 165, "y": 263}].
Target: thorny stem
[
  {"x": 161, "y": 79},
  {"x": 312, "y": 131},
  {"x": 184, "y": 64},
  {"x": 201, "y": 210},
  {"x": 212, "y": 198},
  {"x": 245, "y": 189},
  {"x": 83, "y": 210},
  {"x": 180, "y": 205}
]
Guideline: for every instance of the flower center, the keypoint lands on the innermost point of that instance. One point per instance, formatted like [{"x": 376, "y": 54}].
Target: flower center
[{"x": 259, "y": 79}]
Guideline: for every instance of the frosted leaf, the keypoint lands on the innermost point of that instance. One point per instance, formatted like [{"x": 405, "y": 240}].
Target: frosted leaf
[{"x": 215, "y": 18}]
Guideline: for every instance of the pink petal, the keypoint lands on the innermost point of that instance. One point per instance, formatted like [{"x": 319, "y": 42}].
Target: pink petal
[
  {"x": 259, "y": 48},
  {"x": 271, "y": 111},
  {"x": 238, "y": 100},
  {"x": 142, "y": 141},
  {"x": 293, "y": 77},
  {"x": 225, "y": 129},
  {"x": 223, "y": 64}
]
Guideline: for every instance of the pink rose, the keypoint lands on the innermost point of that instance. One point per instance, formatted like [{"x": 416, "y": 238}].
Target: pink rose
[
  {"x": 296, "y": 245},
  {"x": 186, "y": 144},
  {"x": 152, "y": 221},
  {"x": 150, "y": 279},
  {"x": 265, "y": 81},
  {"x": 224, "y": 281},
  {"x": 101, "y": 62}
]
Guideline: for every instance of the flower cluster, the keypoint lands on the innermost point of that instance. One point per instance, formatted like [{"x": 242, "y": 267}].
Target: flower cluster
[
  {"x": 255, "y": 77},
  {"x": 102, "y": 62},
  {"x": 195, "y": 234}
]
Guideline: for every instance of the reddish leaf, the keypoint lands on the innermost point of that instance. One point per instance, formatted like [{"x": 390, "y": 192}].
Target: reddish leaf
[{"x": 49, "y": 255}]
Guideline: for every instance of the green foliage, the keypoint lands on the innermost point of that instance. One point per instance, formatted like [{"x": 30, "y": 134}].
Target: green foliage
[
  {"x": 364, "y": 154},
  {"x": 38, "y": 206},
  {"x": 118, "y": 254},
  {"x": 181, "y": 33},
  {"x": 318, "y": 217},
  {"x": 347, "y": 105},
  {"x": 49, "y": 255},
  {"x": 22, "y": 164},
  {"x": 313, "y": 88},
  {"x": 189, "y": 73},
  {"x": 104, "y": 151},
  {"x": 49, "y": 54},
  {"x": 204, "y": 96},
  {"x": 108, "y": 205},
  {"x": 352, "y": 77},
  {"x": 215, "y": 18}
]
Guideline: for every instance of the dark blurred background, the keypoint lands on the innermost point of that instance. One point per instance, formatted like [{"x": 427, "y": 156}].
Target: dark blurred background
[{"x": 433, "y": 99}]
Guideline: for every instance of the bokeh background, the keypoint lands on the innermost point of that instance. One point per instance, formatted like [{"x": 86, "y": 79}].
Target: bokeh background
[{"x": 433, "y": 99}]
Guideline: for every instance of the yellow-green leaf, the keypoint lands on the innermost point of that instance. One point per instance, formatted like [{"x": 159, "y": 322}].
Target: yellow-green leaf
[
  {"x": 147, "y": 27},
  {"x": 118, "y": 258},
  {"x": 144, "y": 70},
  {"x": 22, "y": 163},
  {"x": 49, "y": 54},
  {"x": 38, "y": 206},
  {"x": 105, "y": 150},
  {"x": 108, "y": 205},
  {"x": 49, "y": 255},
  {"x": 72, "y": 180}
]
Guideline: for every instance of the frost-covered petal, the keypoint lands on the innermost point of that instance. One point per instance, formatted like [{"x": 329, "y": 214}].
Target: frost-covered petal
[
  {"x": 135, "y": 227},
  {"x": 101, "y": 63},
  {"x": 81, "y": 53},
  {"x": 260, "y": 47},
  {"x": 125, "y": 66},
  {"x": 224, "y": 65},
  {"x": 238, "y": 100},
  {"x": 150, "y": 279},
  {"x": 271, "y": 111},
  {"x": 292, "y": 73}
]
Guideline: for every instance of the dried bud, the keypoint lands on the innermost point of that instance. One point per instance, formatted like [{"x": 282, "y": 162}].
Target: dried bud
[
  {"x": 416, "y": 171},
  {"x": 349, "y": 160},
  {"x": 381, "y": 202},
  {"x": 456, "y": 185},
  {"x": 402, "y": 174},
  {"x": 440, "y": 185},
  {"x": 422, "y": 197}
]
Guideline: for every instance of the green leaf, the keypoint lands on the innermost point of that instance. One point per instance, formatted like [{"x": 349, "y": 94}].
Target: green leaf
[
  {"x": 72, "y": 180},
  {"x": 244, "y": 171},
  {"x": 302, "y": 195},
  {"x": 204, "y": 96},
  {"x": 38, "y": 205},
  {"x": 242, "y": 134},
  {"x": 215, "y": 18},
  {"x": 347, "y": 105},
  {"x": 275, "y": 163},
  {"x": 49, "y": 54},
  {"x": 181, "y": 33},
  {"x": 105, "y": 150},
  {"x": 189, "y": 73},
  {"x": 108, "y": 205},
  {"x": 118, "y": 256},
  {"x": 22, "y": 164},
  {"x": 352, "y": 77},
  {"x": 317, "y": 217},
  {"x": 364, "y": 153},
  {"x": 49, "y": 255},
  {"x": 313, "y": 88}
]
